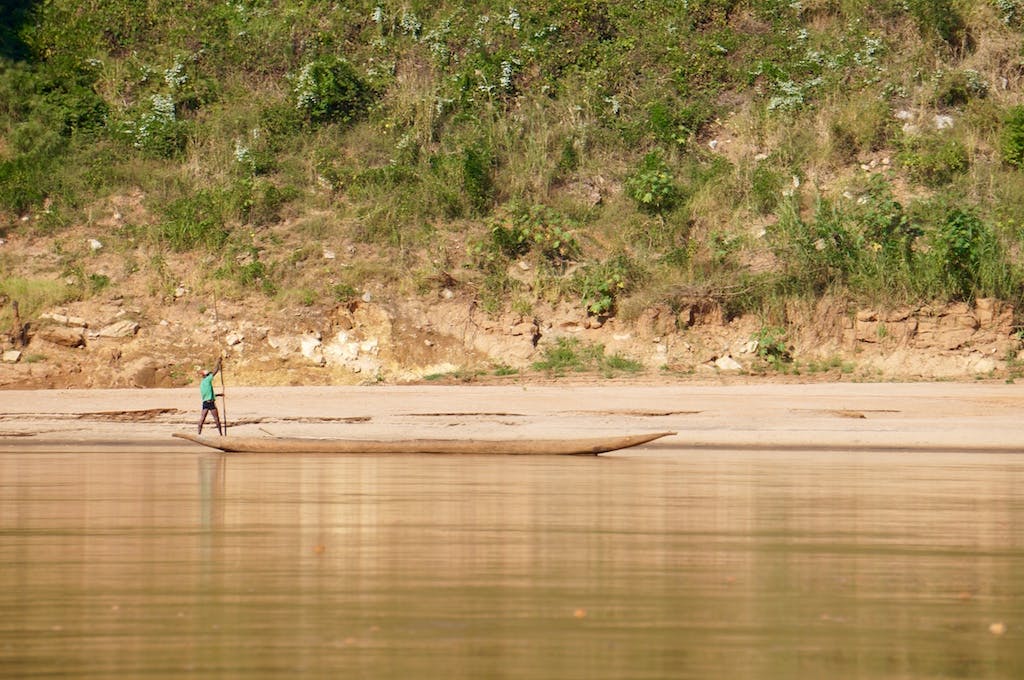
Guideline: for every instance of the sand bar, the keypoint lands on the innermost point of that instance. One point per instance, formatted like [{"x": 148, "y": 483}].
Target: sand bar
[{"x": 869, "y": 416}]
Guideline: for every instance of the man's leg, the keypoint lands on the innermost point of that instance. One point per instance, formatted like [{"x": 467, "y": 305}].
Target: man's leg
[
  {"x": 202, "y": 419},
  {"x": 216, "y": 419}
]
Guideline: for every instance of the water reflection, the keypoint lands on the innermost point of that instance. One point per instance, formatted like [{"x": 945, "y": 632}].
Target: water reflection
[{"x": 675, "y": 565}]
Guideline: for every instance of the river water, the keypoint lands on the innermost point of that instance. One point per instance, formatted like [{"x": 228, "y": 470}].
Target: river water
[{"x": 654, "y": 564}]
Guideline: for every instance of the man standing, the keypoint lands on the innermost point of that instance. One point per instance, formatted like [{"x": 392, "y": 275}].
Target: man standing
[{"x": 209, "y": 398}]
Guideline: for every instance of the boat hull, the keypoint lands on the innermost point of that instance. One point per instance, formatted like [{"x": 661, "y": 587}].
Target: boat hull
[{"x": 587, "y": 446}]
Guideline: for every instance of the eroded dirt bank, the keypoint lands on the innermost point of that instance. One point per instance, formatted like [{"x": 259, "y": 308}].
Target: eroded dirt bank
[{"x": 117, "y": 343}]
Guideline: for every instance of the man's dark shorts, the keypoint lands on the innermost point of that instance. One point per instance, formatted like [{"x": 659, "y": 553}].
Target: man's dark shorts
[{"x": 209, "y": 404}]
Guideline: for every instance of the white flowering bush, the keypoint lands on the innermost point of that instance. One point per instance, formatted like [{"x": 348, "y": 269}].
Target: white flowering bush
[
  {"x": 1010, "y": 11},
  {"x": 156, "y": 130}
]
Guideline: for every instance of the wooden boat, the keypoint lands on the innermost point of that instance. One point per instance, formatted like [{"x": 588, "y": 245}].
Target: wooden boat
[{"x": 592, "y": 445}]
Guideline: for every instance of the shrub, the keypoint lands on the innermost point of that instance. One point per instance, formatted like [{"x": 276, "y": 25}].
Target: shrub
[
  {"x": 933, "y": 160},
  {"x": 156, "y": 129},
  {"x": 245, "y": 268},
  {"x": 938, "y": 19},
  {"x": 653, "y": 187},
  {"x": 1011, "y": 12},
  {"x": 569, "y": 159},
  {"x": 477, "y": 178},
  {"x": 344, "y": 292},
  {"x": 258, "y": 202},
  {"x": 600, "y": 284},
  {"x": 884, "y": 221},
  {"x": 537, "y": 229},
  {"x": 1012, "y": 142},
  {"x": 570, "y": 354},
  {"x": 765, "y": 188},
  {"x": 860, "y": 125},
  {"x": 959, "y": 243},
  {"x": 194, "y": 222},
  {"x": 329, "y": 90},
  {"x": 818, "y": 253},
  {"x": 957, "y": 88},
  {"x": 771, "y": 346},
  {"x": 42, "y": 111},
  {"x": 23, "y": 182},
  {"x": 676, "y": 123}
]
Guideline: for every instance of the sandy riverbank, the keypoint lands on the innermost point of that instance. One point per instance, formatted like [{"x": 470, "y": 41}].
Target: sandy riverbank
[{"x": 869, "y": 416}]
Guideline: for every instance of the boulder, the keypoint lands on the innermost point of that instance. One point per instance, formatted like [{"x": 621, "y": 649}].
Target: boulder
[
  {"x": 65, "y": 336},
  {"x": 727, "y": 363}
]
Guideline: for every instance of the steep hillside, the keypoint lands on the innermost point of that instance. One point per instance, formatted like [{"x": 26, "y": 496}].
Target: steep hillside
[{"x": 393, "y": 191}]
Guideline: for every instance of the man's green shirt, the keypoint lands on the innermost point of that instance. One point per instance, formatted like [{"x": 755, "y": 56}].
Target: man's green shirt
[{"x": 206, "y": 388}]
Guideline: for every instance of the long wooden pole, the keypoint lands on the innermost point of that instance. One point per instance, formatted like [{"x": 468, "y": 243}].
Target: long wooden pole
[{"x": 223, "y": 398}]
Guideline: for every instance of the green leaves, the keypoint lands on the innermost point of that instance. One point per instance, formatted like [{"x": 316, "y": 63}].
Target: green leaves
[
  {"x": 600, "y": 284},
  {"x": 653, "y": 186},
  {"x": 536, "y": 228},
  {"x": 960, "y": 241},
  {"x": 329, "y": 89},
  {"x": 570, "y": 354},
  {"x": 1012, "y": 140}
]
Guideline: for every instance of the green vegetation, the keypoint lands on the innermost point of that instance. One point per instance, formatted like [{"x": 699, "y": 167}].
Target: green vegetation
[
  {"x": 868, "y": 150},
  {"x": 572, "y": 355},
  {"x": 772, "y": 348},
  {"x": 33, "y": 296}
]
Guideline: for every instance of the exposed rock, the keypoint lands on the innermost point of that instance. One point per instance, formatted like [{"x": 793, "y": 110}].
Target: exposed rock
[
  {"x": 341, "y": 349},
  {"x": 311, "y": 347},
  {"x": 284, "y": 344},
  {"x": 946, "y": 330},
  {"x": 413, "y": 337},
  {"x": 981, "y": 365},
  {"x": 727, "y": 363},
  {"x": 11, "y": 356},
  {"x": 874, "y": 330},
  {"x": 119, "y": 329},
  {"x": 988, "y": 323},
  {"x": 63, "y": 319},
  {"x": 65, "y": 336}
]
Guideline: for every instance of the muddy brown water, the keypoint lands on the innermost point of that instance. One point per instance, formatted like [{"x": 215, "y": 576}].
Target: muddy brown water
[{"x": 660, "y": 564}]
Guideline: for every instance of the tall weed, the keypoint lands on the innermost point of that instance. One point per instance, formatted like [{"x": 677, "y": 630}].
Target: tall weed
[{"x": 33, "y": 297}]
